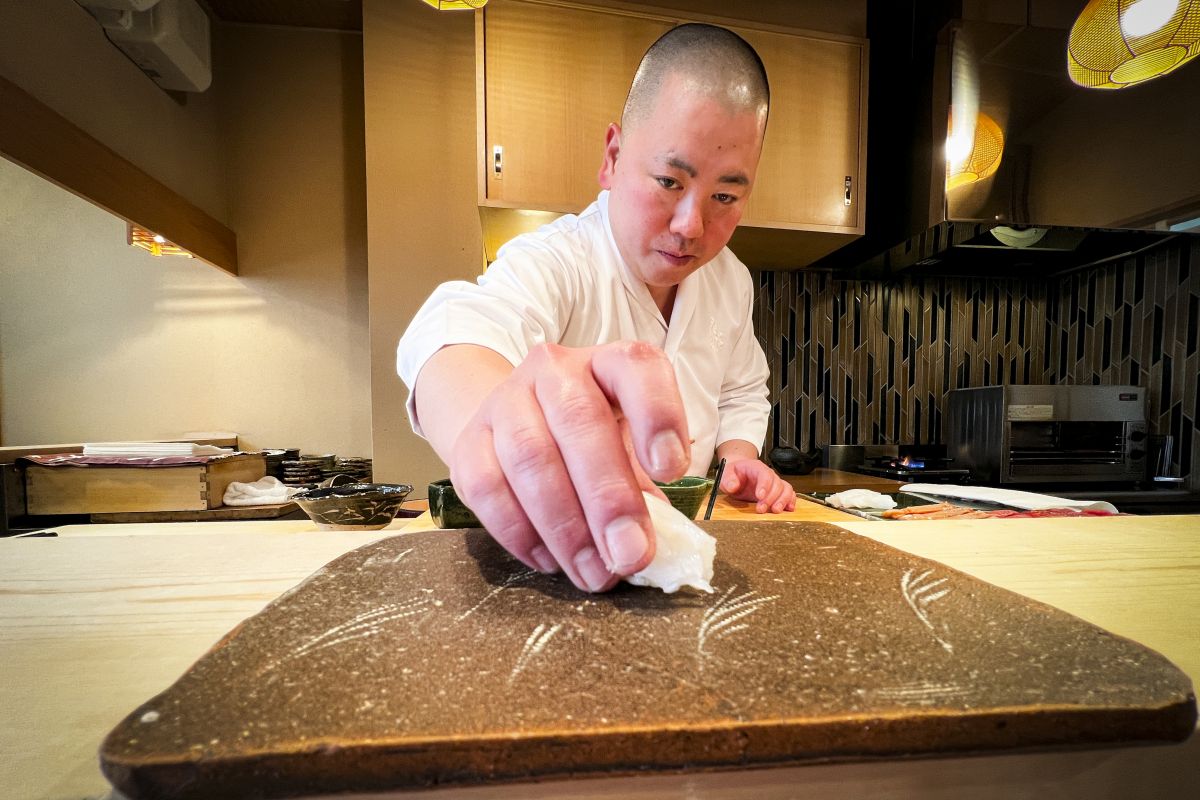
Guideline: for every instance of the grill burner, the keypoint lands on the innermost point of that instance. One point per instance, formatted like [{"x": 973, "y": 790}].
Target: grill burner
[{"x": 914, "y": 467}]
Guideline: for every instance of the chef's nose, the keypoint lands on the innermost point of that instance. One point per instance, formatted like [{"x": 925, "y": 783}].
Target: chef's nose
[{"x": 688, "y": 219}]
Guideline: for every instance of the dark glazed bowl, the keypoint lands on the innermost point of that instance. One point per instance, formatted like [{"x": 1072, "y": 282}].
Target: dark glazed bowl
[
  {"x": 687, "y": 493},
  {"x": 790, "y": 461},
  {"x": 353, "y": 506},
  {"x": 447, "y": 510}
]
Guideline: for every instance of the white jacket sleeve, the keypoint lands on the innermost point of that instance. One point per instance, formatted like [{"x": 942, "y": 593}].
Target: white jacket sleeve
[
  {"x": 521, "y": 301},
  {"x": 743, "y": 407}
]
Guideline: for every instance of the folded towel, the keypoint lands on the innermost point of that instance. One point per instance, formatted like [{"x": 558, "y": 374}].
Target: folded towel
[
  {"x": 860, "y": 498},
  {"x": 264, "y": 491}
]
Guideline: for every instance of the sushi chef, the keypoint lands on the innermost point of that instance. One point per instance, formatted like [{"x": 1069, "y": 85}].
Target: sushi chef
[{"x": 614, "y": 347}]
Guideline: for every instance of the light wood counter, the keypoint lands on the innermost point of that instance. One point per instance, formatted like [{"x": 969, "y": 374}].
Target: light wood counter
[
  {"x": 726, "y": 508},
  {"x": 823, "y": 479},
  {"x": 102, "y": 617}
]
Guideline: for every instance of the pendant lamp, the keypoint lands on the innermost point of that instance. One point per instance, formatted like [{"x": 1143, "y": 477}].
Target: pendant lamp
[
  {"x": 153, "y": 243},
  {"x": 984, "y": 158},
  {"x": 456, "y": 5},
  {"x": 1118, "y": 43}
]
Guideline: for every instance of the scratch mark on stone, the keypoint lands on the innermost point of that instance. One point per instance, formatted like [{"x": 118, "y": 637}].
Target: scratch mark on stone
[
  {"x": 924, "y": 693},
  {"x": 377, "y": 559},
  {"x": 511, "y": 580},
  {"x": 913, "y": 589},
  {"x": 534, "y": 645},
  {"x": 361, "y": 626},
  {"x": 719, "y": 618}
]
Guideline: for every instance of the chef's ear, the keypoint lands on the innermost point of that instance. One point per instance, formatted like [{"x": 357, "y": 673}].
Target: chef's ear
[{"x": 612, "y": 148}]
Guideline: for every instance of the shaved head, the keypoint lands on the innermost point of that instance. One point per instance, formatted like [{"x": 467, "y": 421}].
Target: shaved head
[{"x": 711, "y": 61}]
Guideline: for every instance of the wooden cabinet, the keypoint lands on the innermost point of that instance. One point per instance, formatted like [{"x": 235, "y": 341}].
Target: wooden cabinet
[
  {"x": 813, "y": 145},
  {"x": 552, "y": 77}
]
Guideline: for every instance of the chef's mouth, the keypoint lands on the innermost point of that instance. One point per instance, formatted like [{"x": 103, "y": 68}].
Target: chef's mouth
[{"x": 674, "y": 258}]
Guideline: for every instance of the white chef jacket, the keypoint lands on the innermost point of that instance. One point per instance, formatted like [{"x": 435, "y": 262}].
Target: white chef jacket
[{"x": 567, "y": 284}]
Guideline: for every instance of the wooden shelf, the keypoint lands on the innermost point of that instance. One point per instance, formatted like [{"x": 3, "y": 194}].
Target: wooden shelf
[{"x": 41, "y": 140}]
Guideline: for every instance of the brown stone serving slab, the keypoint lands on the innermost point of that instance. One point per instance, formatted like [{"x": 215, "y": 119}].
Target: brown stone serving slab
[{"x": 435, "y": 658}]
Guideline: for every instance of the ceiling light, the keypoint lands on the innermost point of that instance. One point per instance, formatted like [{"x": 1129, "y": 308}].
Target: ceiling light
[
  {"x": 1118, "y": 43},
  {"x": 1019, "y": 237},
  {"x": 457, "y": 5},
  {"x": 1144, "y": 17},
  {"x": 984, "y": 156},
  {"x": 153, "y": 243}
]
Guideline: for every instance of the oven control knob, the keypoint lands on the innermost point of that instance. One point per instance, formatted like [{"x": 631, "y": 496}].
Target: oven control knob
[
  {"x": 1137, "y": 436},
  {"x": 1136, "y": 454}
]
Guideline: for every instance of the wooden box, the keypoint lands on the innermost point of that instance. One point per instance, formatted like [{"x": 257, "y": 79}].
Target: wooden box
[{"x": 110, "y": 488}]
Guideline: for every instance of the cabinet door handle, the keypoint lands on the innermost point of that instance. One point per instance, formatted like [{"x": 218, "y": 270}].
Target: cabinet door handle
[
  {"x": 498, "y": 161},
  {"x": 849, "y": 186}
]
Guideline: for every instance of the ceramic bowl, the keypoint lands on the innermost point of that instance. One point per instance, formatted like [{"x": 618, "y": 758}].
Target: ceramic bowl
[
  {"x": 353, "y": 506},
  {"x": 688, "y": 493},
  {"x": 790, "y": 461},
  {"x": 447, "y": 510}
]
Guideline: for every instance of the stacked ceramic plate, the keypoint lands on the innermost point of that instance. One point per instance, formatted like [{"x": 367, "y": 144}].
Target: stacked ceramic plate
[
  {"x": 357, "y": 468},
  {"x": 301, "y": 472}
]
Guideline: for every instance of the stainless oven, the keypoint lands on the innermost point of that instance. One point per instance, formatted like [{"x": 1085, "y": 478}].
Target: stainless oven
[{"x": 1049, "y": 434}]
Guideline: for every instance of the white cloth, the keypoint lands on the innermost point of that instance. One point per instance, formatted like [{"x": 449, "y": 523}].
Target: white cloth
[
  {"x": 860, "y": 498},
  {"x": 567, "y": 284},
  {"x": 262, "y": 492},
  {"x": 154, "y": 449}
]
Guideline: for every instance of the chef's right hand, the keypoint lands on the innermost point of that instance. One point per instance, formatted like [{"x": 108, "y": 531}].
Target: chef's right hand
[{"x": 543, "y": 465}]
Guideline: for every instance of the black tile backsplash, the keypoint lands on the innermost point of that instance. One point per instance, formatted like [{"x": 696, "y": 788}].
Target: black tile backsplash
[{"x": 871, "y": 362}]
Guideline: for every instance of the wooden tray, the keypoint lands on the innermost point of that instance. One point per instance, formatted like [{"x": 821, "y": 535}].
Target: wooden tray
[{"x": 434, "y": 658}]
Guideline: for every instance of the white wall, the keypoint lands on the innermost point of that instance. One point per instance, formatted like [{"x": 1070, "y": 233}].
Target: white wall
[
  {"x": 101, "y": 341},
  {"x": 54, "y": 50}
]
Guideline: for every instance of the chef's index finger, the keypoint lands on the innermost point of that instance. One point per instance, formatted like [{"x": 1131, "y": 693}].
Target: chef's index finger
[
  {"x": 638, "y": 378},
  {"x": 580, "y": 418}
]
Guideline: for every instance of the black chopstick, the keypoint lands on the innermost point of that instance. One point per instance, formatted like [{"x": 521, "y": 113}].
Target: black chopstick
[{"x": 712, "y": 498}]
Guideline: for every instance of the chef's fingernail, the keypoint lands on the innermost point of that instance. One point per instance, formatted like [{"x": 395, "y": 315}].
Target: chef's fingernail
[
  {"x": 591, "y": 569},
  {"x": 666, "y": 453},
  {"x": 545, "y": 562},
  {"x": 626, "y": 542}
]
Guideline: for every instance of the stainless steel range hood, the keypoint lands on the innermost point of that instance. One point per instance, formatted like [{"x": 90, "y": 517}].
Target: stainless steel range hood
[{"x": 1085, "y": 176}]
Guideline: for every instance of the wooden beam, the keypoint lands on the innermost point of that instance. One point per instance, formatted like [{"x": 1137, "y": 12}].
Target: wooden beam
[{"x": 41, "y": 140}]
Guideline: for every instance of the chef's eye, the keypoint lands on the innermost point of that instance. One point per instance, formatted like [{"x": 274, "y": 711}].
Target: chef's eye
[
  {"x": 667, "y": 182},
  {"x": 725, "y": 199}
]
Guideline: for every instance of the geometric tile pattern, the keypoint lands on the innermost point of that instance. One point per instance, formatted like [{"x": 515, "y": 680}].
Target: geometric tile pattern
[
  {"x": 870, "y": 362},
  {"x": 1136, "y": 322}
]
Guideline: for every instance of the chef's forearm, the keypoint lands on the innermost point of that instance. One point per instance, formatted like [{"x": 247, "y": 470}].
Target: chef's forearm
[
  {"x": 736, "y": 450},
  {"x": 450, "y": 388}
]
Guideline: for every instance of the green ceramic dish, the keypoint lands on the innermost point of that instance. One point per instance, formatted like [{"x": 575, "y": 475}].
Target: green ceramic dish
[
  {"x": 688, "y": 493},
  {"x": 447, "y": 510}
]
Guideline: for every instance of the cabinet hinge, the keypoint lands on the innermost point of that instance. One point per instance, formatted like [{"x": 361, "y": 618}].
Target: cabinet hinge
[
  {"x": 849, "y": 186},
  {"x": 498, "y": 161}
]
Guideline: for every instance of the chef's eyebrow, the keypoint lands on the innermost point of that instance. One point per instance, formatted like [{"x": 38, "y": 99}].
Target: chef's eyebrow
[{"x": 678, "y": 163}]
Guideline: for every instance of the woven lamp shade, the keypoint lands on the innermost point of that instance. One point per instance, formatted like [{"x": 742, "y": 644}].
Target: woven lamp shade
[
  {"x": 1103, "y": 55},
  {"x": 985, "y": 154},
  {"x": 456, "y": 5}
]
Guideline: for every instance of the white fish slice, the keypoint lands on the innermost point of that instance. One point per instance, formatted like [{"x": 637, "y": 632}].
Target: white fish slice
[{"x": 683, "y": 553}]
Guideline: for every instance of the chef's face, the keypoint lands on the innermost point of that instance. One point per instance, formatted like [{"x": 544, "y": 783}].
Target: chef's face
[{"x": 678, "y": 182}]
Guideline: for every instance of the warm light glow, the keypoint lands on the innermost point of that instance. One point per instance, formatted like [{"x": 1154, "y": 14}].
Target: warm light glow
[
  {"x": 1147, "y": 16},
  {"x": 958, "y": 148},
  {"x": 1117, "y": 43},
  {"x": 983, "y": 158},
  {"x": 457, "y": 5},
  {"x": 154, "y": 243}
]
